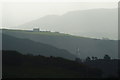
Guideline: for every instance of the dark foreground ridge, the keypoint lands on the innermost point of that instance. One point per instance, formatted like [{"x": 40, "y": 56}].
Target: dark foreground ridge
[{"x": 17, "y": 65}]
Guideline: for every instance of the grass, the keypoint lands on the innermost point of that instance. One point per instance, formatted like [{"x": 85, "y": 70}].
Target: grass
[
  {"x": 48, "y": 33},
  {"x": 39, "y": 33}
]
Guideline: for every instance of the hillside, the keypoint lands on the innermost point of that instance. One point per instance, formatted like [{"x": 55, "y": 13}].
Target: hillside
[
  {"x": 16, "y": 65},
  {"x": 31, "y": 47},
  {"x": 87, "y": 46}
]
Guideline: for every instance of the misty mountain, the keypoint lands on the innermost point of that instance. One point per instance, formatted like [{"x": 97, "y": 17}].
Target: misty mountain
[
  {"x": 92, "y": 23},
  {"x": 87, "y": 46},
  {"x": 30, "y": 47}
]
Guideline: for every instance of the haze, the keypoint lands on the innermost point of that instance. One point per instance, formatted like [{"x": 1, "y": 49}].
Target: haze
[{"x": 16, "y": 14}]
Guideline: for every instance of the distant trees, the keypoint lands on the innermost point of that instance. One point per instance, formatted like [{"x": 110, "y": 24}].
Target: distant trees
[
  {"x": 107, "y": 57},
  {"x": 88, "y": 59},
  {"x": 93, "y": 57},
  {"x": 96, "y": 58}
]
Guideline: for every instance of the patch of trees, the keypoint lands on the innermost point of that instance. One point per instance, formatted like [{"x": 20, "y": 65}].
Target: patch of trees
[
  {"x": 108, "y": 66},
  {"x": 106, "y": 57}
]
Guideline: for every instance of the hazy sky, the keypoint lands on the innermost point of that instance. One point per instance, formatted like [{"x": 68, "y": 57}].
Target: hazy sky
[{"x": 17, "y": 13}]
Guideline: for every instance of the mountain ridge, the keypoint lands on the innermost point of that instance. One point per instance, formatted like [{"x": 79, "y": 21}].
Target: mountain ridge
[
  {"x": 30, "y": 47},
  {"x": 87, "y": 46},
  {"x": 90, "y": 23}
]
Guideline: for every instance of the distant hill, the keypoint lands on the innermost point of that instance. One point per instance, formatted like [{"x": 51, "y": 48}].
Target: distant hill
[
  {"x": 16, "y": 65},
  {"x": 31, "y": 47},
  {"x": 87, "y": 46},
  {"x": 92, "y": 23}
]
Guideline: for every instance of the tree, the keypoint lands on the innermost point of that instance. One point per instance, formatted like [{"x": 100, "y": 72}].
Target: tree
[
  {"x": 88, "y": 59},
  {"x": 107, "y": 57},
  {"x": 93, "y": 58},
  {"x": 96, "y": 58}
]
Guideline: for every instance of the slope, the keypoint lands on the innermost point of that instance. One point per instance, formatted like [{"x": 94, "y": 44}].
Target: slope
[
  {"x": 30, "y": 47},
  {"x": 87, "y": 46}
]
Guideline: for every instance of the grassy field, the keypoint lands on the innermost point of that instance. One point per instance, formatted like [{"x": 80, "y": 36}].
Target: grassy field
[{"x": 48, "y": 33}]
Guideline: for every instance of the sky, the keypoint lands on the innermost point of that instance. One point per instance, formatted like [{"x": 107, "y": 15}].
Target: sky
[{"x": 15, "y": 13}]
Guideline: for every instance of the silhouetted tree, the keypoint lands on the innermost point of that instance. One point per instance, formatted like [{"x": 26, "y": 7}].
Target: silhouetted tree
[
  {"x": 93, "y": 58},
  {"x": 96, "y": 58},
  {"x": 88, "y": 59},
  {"x": 107, "y": 57}
]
